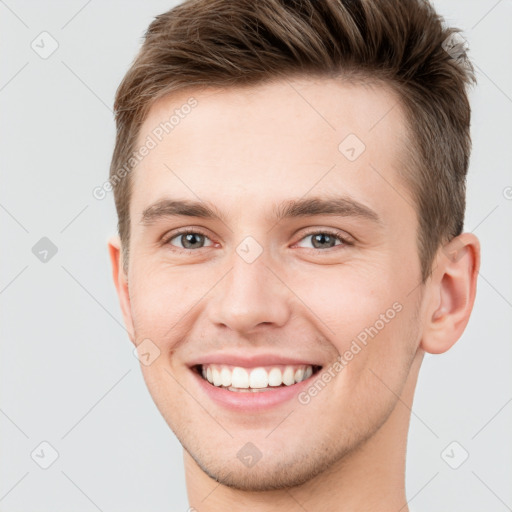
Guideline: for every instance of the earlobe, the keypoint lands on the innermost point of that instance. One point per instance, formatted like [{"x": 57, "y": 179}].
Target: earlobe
[
  {"x": 452, "y": 294},
  {"x": 121, "y": 282}
]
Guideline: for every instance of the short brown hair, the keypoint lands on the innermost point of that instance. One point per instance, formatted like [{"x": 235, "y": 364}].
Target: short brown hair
[{"x": 402, "y": 43}]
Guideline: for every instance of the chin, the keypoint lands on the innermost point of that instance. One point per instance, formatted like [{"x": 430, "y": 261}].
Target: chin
[{"x": 289, "y": 471}]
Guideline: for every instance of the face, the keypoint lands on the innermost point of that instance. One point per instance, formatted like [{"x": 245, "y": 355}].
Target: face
[{"x": 295, "y": 285}]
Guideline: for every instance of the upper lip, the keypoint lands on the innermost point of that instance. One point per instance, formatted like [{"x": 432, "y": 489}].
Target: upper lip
[{"x": 250, "y": 361}]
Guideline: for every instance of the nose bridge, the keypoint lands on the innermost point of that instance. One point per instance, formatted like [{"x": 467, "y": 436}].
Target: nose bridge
[{"x": 249, "y": 295}]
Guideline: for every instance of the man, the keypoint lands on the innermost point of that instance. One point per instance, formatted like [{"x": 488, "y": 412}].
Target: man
[{"x": 289, "y": 178}]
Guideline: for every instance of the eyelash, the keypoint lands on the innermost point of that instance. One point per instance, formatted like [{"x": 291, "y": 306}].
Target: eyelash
[{"x": 187, "y": 231}]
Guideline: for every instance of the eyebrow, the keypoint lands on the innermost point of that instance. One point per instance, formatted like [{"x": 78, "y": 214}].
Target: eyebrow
[{"x": 293, "y": 208}]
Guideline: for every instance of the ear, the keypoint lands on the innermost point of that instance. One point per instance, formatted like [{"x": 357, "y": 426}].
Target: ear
[
  {"x": 121, "y": 282},
  {"x": 452, "y": 293}
]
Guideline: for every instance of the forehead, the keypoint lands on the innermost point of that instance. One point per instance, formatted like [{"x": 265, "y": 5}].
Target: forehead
[{"x": 271, "y": 142}]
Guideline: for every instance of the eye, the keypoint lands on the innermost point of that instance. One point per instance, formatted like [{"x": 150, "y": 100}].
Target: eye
[
  {"x": 189, "y": 240},
  {"x": 193, "y": 239},
  {"x": 325, "y": 240}
]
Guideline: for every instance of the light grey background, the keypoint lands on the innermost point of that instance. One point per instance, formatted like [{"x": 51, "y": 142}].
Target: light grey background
[{"x": 68, "y": 375}]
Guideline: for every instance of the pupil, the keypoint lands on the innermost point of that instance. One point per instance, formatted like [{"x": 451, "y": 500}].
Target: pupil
[
  {"x": 189, "y": 239},
  {"x": 322, "y": 238}
]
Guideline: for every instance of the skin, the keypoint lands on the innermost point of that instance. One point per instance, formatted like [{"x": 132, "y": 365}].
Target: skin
[{"x": 243, "y": 151}]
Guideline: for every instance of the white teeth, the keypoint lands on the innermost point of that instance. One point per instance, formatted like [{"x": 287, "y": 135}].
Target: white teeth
[
  {"x": 288, "y": 376},
  {"x": 248, "y": 390},
  {"x": 299, "y": 373},
  {"x": 216, "y": 377},
  {"x": 258, "y": 378},
  {"x": 225, "y": 377},
  {"x": 236, "y": 378},
  {"x": 239, "y": 378},
  {"x": 275, "y": 377}
]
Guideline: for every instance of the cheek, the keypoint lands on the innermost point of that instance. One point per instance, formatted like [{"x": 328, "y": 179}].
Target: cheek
[
  {"x": 344, "y": 300},
  {"x": 377, "y": 374},
  {"x": 369, "y": 320},
  {"x": 162, "y": 299}
]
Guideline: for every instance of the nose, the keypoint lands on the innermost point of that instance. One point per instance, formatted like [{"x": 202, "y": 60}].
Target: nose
[{"x": 249, "y": 297}]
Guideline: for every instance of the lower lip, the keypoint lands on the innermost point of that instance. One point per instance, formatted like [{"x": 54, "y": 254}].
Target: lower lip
[{"x": 250, "y": 401}]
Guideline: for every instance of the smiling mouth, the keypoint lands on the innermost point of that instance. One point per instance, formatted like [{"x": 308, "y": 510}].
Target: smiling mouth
[{"x": 257, "y": 379}]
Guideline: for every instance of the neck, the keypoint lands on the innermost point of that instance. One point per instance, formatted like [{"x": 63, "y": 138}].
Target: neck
[{"x": 370, "y": 479}]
